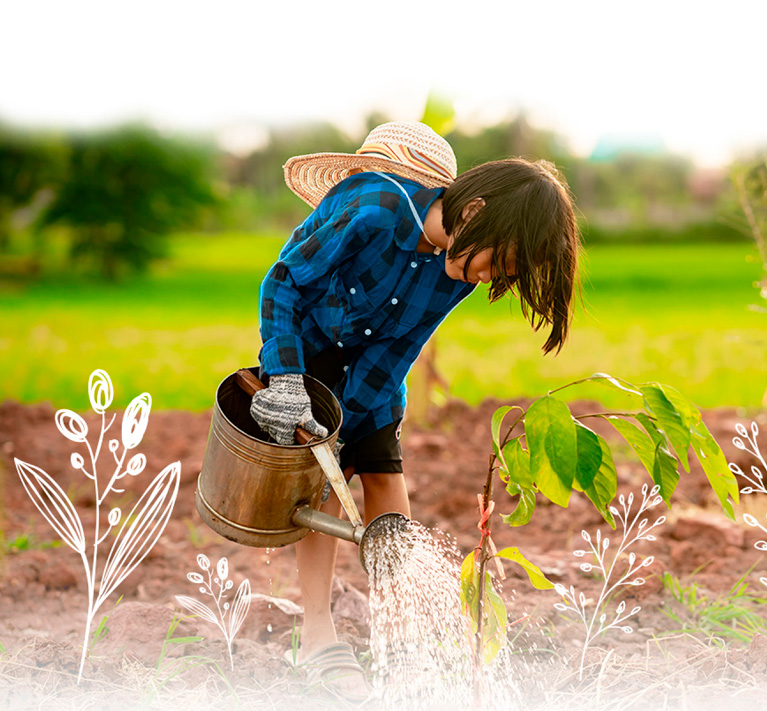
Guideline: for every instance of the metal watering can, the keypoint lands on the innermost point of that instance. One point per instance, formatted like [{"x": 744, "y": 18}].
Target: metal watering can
[{"x": 262, "y": 494}]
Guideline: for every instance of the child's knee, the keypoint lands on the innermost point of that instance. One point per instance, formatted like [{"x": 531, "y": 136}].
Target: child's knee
[{"x": 382, "y": 483}]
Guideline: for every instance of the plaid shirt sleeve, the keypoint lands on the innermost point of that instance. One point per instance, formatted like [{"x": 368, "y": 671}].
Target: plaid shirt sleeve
[{"x": 304, "y": 261}]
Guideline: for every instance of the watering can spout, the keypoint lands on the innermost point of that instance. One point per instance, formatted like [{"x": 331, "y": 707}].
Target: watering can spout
[
  {"x": 366, "y": 537},
  {"x": 307, "y": 517}
]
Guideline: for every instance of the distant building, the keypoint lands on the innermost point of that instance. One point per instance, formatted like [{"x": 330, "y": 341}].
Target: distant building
[{"x": 611, "y": 145}]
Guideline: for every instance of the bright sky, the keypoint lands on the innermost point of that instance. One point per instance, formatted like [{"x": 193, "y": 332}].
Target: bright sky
[{"x": 690, "y": 74}]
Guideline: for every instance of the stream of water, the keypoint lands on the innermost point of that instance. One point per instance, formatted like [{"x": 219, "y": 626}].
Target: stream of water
[{"x": 421, "y": 641}]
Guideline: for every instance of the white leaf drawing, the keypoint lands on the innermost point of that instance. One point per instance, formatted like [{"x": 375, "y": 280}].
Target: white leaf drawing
[
  {"x": 71, "y": 425},
  {"x": 53, "y": 503},
  {"x": 196, "y": 608},
  {"x": 100, "y": 390},
  {"x": 135, "y": 420},
  {"x": 141, "y": 529},
  {"x": 240, "y": 608}
]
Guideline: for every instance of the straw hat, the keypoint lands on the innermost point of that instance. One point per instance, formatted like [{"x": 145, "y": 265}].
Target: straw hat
[{"x": 406, "y": 148}]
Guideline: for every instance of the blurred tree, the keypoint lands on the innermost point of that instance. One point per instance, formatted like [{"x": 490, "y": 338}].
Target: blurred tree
[
  {"x": 262, "y": 169},
  {"x": 640, "y": 183},
  {"x": 750, "y": 178},
  {"x": 29, "y": 163},
  {"x": 128, "y": 188},
  {"x": 257, "y": 178},
  {"x": 509, "y": 139}
]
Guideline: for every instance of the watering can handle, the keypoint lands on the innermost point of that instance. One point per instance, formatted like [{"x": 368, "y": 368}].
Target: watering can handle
[{"x": 250, "y": 384}]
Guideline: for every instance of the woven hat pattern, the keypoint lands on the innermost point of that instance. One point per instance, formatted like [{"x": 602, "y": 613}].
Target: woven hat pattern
[{"x": 410, "y": 149}]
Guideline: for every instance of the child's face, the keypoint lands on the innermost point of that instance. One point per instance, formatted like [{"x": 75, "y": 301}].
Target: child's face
[{"x": 481, "y": 268}]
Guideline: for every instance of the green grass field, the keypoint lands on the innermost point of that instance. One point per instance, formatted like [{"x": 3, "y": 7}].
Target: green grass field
[{"x": 677, "y": 314}]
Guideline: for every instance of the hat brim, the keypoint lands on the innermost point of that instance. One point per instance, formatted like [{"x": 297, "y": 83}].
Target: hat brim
[{"x": 312, "y": 176}]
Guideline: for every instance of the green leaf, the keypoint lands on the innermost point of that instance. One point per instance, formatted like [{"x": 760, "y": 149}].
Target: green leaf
[
  {"x": 494, "y": 614},
  {"x": 640, "y": 441},
  {"x": 687, "y": 411},
  {"x": 537, "y": 578},
  {"x": 495, "y": 618},
  {"x": 715, "y": 466},
  {"x": 525, "y": 507},
  {"x": 665, "y": 473},
  {"x": 551, "y": 440},
  {"x": 519, "y": 482},
  {"x": 470, "y": 587},
  {"x": 589, "y": 455},
  {"x": 604, "y": 487},
  {"x": 614, "y": 383},
  {"x": 669, "y": 420},
  {"x": 495, "y": 429},
  {"x": 439, "y": 113},
  {"x": 665, "y": 469},
  {"x": 517, "y": 461}
]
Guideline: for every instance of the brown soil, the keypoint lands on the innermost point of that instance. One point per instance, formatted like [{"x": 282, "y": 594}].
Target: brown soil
[{"x": 44, "y": 594}]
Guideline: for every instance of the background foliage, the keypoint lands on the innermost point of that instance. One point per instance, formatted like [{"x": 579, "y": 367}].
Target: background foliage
[{"x": 143, "y": 252}]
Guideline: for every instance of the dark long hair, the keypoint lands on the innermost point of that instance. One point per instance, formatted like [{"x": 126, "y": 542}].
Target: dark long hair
[{"x": 528, "y": 207}]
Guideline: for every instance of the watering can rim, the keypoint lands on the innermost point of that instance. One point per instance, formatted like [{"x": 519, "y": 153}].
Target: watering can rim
[{"x": 254, "y": 369}]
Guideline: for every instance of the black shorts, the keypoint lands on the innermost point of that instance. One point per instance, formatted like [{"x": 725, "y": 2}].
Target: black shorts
[{"x": 377, "y": 453}]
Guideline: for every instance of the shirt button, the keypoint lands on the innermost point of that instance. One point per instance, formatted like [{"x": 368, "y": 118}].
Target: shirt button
[
  {"x": 352, "y": 290},
  {"x": 414, "y": 264},
  {"x": 340, "y": 344},
  {"x": 368, "y": 332},
  {"x": 394, "y": 301}
]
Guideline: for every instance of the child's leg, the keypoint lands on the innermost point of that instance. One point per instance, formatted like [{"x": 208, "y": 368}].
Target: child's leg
[
  {"x": 316, "y": 560},
  {"x": 316, "y": 557},
  {"x": 384, "y": 493}
]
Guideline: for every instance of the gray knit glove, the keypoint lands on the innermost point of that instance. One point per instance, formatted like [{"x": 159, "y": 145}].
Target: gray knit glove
[{"x": 284, "y": 405}]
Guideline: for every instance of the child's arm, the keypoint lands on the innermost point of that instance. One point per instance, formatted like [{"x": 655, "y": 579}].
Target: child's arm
[{"x": 306, "y": 262}]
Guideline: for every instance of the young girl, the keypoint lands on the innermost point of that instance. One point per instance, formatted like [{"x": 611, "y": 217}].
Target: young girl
[{"x": 395, "y": 242}]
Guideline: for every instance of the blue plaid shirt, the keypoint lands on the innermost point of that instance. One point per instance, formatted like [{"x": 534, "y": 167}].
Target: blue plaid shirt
[{"x": 350, "y": 278}]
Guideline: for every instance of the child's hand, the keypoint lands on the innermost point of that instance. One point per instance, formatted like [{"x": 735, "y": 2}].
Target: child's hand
[{"x": 283, "y": 406}]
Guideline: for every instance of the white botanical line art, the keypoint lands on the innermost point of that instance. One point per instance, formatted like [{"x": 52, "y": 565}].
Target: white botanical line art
[
  {"x": 757, "y": 482},
  {"x": 144, "y": 524},
  {"x": 759, "y": 545},
  {"x": 752, "y": 447},
  {"x": 635, "y": 529},
  {"x": 236, "y": 612}
]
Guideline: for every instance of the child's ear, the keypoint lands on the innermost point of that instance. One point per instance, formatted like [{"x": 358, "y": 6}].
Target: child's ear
[{"x": 471, "y": 208}]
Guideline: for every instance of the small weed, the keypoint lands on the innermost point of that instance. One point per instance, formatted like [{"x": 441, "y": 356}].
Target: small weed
[
  {"x": 732, "y": 616},
  {"x": 181, "y": 665},
  {"x": 170, "y": 639},
  {"x": 197, "y": 536},
  {"x": 294, "y": 641},
  {"x": 101, "y": 630},
  {"x": 25, "y": 542}
]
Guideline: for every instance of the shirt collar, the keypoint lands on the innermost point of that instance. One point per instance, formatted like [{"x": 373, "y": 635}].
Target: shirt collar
[{"x": 408, "y": 233}]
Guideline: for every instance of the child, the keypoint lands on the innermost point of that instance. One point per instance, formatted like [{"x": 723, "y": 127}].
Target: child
[{"x": 395, "y": 243}]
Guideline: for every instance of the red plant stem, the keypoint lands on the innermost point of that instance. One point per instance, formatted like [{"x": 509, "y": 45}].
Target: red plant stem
[{"x": 482, "y": 553}]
